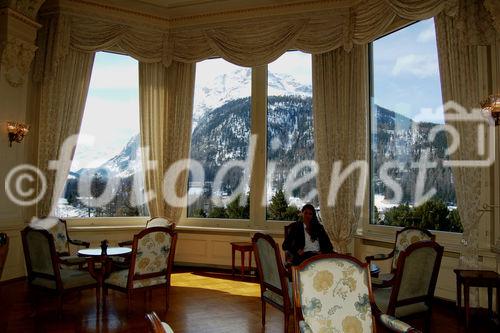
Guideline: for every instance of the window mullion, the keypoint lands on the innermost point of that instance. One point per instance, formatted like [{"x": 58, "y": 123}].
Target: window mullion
[{"x": 259, "y": 128}]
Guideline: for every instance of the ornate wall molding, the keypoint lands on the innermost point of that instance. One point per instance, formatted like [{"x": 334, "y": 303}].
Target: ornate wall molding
[
  {"x": 16, "y": 59},
  {"x": 28, "y": 8},
  {"x": 493, "y": 7}
]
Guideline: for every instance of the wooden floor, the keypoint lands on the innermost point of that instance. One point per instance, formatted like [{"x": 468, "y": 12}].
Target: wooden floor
[{"x": 201, "y": 302}]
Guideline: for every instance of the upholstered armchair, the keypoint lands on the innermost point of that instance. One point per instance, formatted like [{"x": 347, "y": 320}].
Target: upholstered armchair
[
  {"x": 4, "y": 249},
  {"x": 332, "y": 293},
  {"x": 59, "y": 230},
  {"x": 46, "y": 269},
  {"x": 151, "y": 262},
  {"x": 414, "y": 282},
  {"x": 153, "y": 222},
  {"x": 275, "y": 289},
  {"x": 404, "y": 238}
]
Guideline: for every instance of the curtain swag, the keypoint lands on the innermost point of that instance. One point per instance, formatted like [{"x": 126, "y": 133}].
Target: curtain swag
[{"x": 246, "y": 43}]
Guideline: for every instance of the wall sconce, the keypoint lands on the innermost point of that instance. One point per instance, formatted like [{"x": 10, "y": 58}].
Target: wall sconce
[
  {"x": 16, "y": 131},
  {"x": 492, "y": 106}
]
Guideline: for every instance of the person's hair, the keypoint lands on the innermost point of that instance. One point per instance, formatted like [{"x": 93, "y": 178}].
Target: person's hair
[{"x": 315, "y": 225}]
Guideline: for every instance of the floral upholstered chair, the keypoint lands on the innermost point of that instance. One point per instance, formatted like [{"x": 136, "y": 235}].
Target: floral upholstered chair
[
  {"x": 59, "y": 230},
  {"x": 414, "y": 282},
  {"x": 275, "y": 288},
  {"x": 46, "y": 270},
  {"x": 404, "y": 238},
  {"x": 153, "y": 251},
  {"x": 332, "y": 293},
  {"x": 153, "y": 222}
]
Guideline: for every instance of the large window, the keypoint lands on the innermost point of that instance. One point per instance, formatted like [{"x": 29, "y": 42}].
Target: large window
[
  {"x": 106, "y": 172},
  {"x": 220, "y": 137},
  {"x": 290, "y": 179},
  {"x": 406, "y": 105}
]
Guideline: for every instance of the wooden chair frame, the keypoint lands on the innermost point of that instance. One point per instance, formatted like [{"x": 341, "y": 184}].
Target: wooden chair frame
[
  {"x": 297, "y": 307},
  {"x": 154, "y": 323},
  {"x": 427, "y": 299},
  {"x": 4, "y": 250},
  {"x": 286, "y": 308},
  {"x": 132, "y": 276},
  {"x": 75, "y": 242},
  {"x": 56, "y": 262},
  {"x": 382, "y": 257}
]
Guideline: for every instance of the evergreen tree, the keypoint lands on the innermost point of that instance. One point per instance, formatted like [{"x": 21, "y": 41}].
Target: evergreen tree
[
  {"x": 278, "y": 206},
  {"x": 218, "y": 213}
]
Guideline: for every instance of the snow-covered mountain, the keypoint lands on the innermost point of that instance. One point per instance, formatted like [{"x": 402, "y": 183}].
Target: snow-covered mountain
[
  {"x": 237, "y": 84},
  {"x": 123, "y": 165}
]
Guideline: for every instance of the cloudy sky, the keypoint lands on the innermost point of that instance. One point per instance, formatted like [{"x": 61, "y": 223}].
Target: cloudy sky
[
  {"x": 406, "y": 72},
  {"x": 406, "y": 80}
]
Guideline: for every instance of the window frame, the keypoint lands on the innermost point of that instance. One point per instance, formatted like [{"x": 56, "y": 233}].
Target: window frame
[{"x": 451, "y": 240}]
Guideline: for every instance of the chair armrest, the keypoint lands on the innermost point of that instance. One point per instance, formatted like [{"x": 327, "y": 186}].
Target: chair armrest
[
  {"x": 378, "y": 257},
  {"x": 125, "y": 243},
  {"x": 396, "y": 325},
  {"x": 79, "y": 243}
]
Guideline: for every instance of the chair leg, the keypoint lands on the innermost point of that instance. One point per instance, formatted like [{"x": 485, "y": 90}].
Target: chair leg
[
  {"x": 427, "y": 324},
  {"x": 60, "y": 305},
  {"x": 263, "y": 312},
  {"x": 286, "y": 321},
  {"x": 97, "y": 298},
  {"x": 167, "y": 289},
  {"x": 129, "y": 302}
]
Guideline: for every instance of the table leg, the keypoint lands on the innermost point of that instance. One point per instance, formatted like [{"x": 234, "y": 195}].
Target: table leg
[
  {"x": 466, "y": 304},
  {"x": 232, "y": 255},
  {"x": 490, "y": 302},
  {"x": 242, "y": 269},
  {"x": 459, "y": 295},
  {"x": 250, "y": 264}
]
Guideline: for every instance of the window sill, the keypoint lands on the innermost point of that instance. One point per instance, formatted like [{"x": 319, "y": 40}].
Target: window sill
[{"x": 450, "y": 241}]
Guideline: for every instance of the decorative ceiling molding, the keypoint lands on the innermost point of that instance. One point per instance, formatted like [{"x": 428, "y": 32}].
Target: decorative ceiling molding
[{"x": 166, "y": 17}]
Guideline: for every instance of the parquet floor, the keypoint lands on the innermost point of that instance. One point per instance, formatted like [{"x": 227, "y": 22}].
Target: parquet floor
[{"x": 200, "y": 302}]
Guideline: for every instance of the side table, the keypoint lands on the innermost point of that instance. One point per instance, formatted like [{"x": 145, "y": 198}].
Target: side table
[
  {"x": 476, "y": 278},
  {"x": 243, "y": 247}
]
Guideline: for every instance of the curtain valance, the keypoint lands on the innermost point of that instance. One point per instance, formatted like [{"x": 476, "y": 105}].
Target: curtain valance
[{"x": 251, "y": 42}]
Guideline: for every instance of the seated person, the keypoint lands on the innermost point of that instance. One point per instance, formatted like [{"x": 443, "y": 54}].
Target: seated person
[{"x": 306, "y": 237}]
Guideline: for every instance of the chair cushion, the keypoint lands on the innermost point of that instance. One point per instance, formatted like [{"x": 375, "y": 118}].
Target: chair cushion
[
  {"x": 166, "y": 328},
  {"x": 383, "y": 277},
  {"x": 334, "y": 296},
  {"x": 382, "y": 297},
  {"x": 278, "y": 299},
  {"x": 119, "y": 279},
  {"x": 70, "y": 278}
]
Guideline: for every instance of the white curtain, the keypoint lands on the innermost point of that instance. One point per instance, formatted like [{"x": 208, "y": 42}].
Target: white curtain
[
  {"x": 63, "y": 84},
  {"x": 340, "y": 107},
  {"x": 256, "y": 41},
  {"x": 166, "y": 105},
  {"x": 461, "y": 39}
]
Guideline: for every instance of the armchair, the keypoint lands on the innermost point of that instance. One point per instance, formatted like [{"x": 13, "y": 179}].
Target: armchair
[
  {"x": 59, "y": 230},
  {"x": 156, "y": 325},
  {"x": 275, "y": 289},
  {"x": 153, "y": 222},
  {"x": 151, "y": 262},
  {"x": 332, "y": 293},
  {"x": 414, "y": 282},
  {"x": 404, "y": 238},
  {"x": 45, "y": 268}
]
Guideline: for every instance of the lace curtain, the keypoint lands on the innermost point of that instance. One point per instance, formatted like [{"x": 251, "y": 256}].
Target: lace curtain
[
  {"x": 166, "y": 105},
  {"x": 62, "y": 91},
  {"x": 460, "y": 40},
  {"x": 340, "y": 106}
]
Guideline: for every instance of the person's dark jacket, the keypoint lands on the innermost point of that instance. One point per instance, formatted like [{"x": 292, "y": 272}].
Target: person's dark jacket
[{"x": 295, "y": 239}]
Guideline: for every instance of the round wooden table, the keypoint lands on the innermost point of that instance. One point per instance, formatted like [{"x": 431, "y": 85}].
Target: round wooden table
[{"x": 111, "y": 251}]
